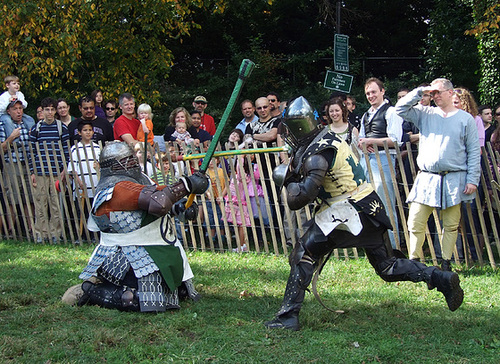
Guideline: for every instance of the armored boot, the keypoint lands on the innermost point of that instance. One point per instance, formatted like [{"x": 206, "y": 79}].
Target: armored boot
[
  {"x": 446, "y": 265},
  {"x": 300, "y": 277},
  {"x": 109, "y": 295},
  {"x": 187, "y": 290},
  {"x": 448, "y": 283},
  {"x": 392, "y": 269}
]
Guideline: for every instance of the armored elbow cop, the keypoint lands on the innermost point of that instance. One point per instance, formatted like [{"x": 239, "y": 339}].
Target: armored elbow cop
[
  {"x": 301, "y": 193},
  {"x": 159, "y": 202}
]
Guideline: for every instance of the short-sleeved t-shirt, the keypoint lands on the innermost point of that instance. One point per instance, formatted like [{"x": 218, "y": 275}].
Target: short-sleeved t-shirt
[
  {"x": 103, "y": 131},
  {"x": 124, "y": 125},
  {"x": 256, "y": 127}
]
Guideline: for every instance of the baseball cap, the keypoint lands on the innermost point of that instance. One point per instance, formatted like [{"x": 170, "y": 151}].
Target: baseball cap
[
  {"x": 13, "y": 102},
  {"x": 200, "y": 99}
]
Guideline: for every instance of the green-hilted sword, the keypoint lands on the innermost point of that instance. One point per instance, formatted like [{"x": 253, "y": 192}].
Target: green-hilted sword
[
  {"x": 245, "y": 71},
  {"x": 227, "y": 153}
]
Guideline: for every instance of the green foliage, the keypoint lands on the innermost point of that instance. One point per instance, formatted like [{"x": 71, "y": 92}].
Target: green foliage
[
  {"x": 292, "y": 45},
  {"x": 486, "y": 30},
  {"x": 449, "y": 52},
  {"x": 69, "y": 47},
  {"x": 167, "y": 51},
  {"x": 399, "y": 322}
]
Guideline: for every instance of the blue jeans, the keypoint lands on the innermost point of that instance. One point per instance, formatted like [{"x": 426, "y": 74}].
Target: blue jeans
[
  {"x": 211, "y": 216},
  {"x": 379, "y": 187}
]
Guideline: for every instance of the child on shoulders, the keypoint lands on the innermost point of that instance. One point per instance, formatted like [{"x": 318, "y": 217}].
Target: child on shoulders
[{"x": 12, "y": 93}]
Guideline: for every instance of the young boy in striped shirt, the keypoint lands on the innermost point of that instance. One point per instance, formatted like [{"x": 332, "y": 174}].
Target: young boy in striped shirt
[{"x": 49, "y": 140}]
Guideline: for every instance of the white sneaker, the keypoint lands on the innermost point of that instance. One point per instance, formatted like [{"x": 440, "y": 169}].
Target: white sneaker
[{"x": 242, "y": 249}]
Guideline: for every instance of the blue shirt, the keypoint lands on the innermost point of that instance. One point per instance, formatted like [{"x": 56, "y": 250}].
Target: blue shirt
[
  {"x": 449, "y": 152},
  {"x": 242, "y": 125},
  {"x": 7, "y": 126}
]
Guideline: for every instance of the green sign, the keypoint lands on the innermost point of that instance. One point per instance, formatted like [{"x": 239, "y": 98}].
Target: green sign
[
  {"x": 341, "y": 53},
  {"x": 338, "y": 81}
]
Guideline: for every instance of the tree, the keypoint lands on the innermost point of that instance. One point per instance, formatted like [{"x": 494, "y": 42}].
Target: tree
[
  {"x": 292, "y": 43},
  {"x": 69, "y": 47},
  {"x": 486, "y": 30},
  {"x": 449, "y": 52}
]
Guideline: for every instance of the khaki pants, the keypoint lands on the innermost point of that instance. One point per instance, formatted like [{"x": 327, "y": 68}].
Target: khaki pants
[
  {"x": 417, "y": 221},
  {"x": 47, "y": 202},
  {"x": 11, "y": 172}
]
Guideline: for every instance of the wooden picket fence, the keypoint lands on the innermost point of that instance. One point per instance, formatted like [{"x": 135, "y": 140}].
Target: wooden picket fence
[{"x": 279, "y": 233}]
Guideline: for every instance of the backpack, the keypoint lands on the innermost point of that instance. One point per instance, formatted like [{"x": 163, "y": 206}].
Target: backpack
[{"x": 59, "y": 127}]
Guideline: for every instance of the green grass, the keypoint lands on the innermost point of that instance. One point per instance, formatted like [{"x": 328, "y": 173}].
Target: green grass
[{"x": 384, "y": 322}]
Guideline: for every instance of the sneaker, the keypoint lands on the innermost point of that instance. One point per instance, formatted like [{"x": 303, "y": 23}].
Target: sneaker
[
  {"x": 39, "y": 240},
  {"x": 55, "y": 240},
  {"x": 242, "y": 249}
]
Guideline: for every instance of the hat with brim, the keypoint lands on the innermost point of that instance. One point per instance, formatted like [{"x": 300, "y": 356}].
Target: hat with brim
[
  {"x": 200, "y": 99},
  {"x": 13, "y": 102}
]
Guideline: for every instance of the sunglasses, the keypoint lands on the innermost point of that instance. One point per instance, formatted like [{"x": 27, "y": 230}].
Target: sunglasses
[
  {"x": 272, "y": 100},
  {"x": 497, "y": 114},
  {"x": 262, "y": 107},
  {"x": 110, "y": 108}
]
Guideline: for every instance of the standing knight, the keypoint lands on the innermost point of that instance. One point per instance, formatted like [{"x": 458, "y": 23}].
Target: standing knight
[
  {"x": 348, "y": 214},
  {"x": 139, "y": 264}
]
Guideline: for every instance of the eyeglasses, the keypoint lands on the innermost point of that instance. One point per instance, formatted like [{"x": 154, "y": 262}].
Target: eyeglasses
[
  {"x": 262, "y": 107},
  {"x": 458, "y": 91},
  {"x": 110, "y": 108}
]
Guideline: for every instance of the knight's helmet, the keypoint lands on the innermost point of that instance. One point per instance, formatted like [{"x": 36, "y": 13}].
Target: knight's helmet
[
  {"x": 118, "y": 158},
  {"x": 299, "y": 122}
]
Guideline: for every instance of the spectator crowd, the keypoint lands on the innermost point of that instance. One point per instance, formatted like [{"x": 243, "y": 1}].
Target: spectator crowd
[{"x": 50, "y": 163}]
